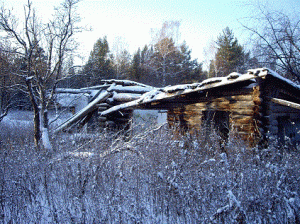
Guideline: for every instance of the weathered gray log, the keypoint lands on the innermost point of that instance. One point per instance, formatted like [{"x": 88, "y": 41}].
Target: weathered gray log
[
  {"x": 126, "y": 97},
  {"x": 82, "y": 113},
  {"x": 129, "y": 89},
  {"x": 103, "y": 105},
  {"x": 286, "y": 103},
  {"x": 72, "y": 91},
  {"x": 102, "y": 119},
  {"x": 126, "y": 83},
  {"x": 102, "y": 108},
  {"x": 99, "y": 87}
]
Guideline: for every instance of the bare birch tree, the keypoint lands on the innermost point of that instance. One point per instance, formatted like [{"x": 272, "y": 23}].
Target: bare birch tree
[
  {"x": 276, "y": 38},
  {"x": 42, "y": 49}
]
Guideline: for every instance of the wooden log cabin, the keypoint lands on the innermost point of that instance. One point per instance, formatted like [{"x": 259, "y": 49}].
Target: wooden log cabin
[{"x": 253, "y": 106}]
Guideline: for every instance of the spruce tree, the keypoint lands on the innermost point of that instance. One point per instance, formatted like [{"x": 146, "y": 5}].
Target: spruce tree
[
  {"x": 230, "y": 55},
  {"x": 99, "y": 65}
]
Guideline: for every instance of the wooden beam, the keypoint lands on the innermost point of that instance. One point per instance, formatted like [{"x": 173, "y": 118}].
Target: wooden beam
[
  {"x": 286, "y": 103},
  {"x": 84, "y": 112}
]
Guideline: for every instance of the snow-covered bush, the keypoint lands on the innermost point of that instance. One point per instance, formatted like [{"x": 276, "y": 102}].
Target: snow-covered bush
[{"x": 148, "y": 176}]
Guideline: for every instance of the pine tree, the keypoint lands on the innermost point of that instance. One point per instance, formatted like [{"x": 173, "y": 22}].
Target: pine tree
[
  {"x": 190, "y": 70},
  {"x": 230, "y": 55},
  {"x": 99, "y": 65},
  {"x": 141, "y": 69},
  {"x": 136, "y": 66}
]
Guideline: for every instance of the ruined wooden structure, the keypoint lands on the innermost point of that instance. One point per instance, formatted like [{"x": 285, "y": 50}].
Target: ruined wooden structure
[
  {"x": 101, "y": 98},
  {"x": 253, "y": 106}
]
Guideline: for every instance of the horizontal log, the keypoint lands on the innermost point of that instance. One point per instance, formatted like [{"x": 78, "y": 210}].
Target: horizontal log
[
  {"x": 246, "y": 112},
  {"x": 197, "y": 107},
  {"x": 243, "y": 121},
  {"x": 191, "y": 113},
  {"x": 102, "y": 108},
  {"x": 242, "y": 105},
  {"x": 102, "y": 119},
  {"x": 286, "y": 103},
  {"x": 235, "y": 116},
  {"x": 103, "y": 105},
  {"x": 129, "y": 89},
  {"x": 72, "y": 91},
  {"x": 218, "y": 105},
  {"x": 220, "y": 99},
  {"x": 126, "y": 83},
  {"x": 194, "y": 120},
  {"x": 126, "y": 97},
  {"x": 242, "y": 97}
]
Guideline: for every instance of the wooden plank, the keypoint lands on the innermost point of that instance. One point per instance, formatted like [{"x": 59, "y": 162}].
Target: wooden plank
[{"x": 286, "y": 103}]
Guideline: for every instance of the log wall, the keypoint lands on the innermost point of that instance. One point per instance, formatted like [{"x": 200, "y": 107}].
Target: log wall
[
  {"x": 243, "y": 109},
  {"x": 281, "y": 121}
]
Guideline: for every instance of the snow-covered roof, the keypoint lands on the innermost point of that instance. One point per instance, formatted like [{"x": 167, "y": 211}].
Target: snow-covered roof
[
  {"x": 276, "y": 75},
  {"x": 170, "y": 92},
  {"x": 139, "y": 94}
]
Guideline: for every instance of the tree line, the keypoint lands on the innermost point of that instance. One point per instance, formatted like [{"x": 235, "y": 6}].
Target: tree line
[
  {"x": 38, "y": 57},
  {"x": 165, "y": 62}
]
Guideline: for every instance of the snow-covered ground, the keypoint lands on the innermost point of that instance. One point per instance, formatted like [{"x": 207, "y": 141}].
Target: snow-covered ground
[
  {"x": 24, "y": 118},
  {"x": 151, "y": 177},
  {"x": 18, "y": 117}
]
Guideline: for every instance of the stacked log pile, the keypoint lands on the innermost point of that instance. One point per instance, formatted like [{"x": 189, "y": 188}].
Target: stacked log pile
[{"x": 103, "y": 97}]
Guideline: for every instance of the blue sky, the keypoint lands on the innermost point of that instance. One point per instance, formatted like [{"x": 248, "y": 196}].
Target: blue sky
[{"x": 129, "y": 21}]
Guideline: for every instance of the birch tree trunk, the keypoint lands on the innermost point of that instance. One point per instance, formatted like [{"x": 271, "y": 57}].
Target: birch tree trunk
[
  {"x": 36, "y": 114},
  {"x": 42, "y": 49}
]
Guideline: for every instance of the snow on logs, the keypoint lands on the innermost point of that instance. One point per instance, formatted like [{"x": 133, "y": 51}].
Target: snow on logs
[
  {"x": 85, "y": 111},
  {"x": 103, "y": 97}
]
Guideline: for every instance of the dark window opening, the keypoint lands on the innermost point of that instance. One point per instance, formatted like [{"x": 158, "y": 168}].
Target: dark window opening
[{"x": 219, "y": 121}]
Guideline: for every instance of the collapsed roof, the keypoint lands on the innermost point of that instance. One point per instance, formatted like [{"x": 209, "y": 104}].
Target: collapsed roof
[{"x": 124, "y": 94}]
